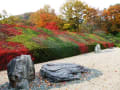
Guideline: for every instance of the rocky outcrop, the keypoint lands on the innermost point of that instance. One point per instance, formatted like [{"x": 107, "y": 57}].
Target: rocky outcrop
[{"x": 62, "y": 72}]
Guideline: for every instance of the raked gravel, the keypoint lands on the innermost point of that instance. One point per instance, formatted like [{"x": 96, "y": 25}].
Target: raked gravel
[{"x": 107, "y": 62}]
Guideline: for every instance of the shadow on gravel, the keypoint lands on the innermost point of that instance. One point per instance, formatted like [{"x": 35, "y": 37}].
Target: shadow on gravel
[{"x": 41, "y": 84}]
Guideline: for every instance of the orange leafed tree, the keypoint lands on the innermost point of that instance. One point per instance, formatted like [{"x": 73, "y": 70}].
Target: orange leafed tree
[
  {"x": 91, "y": 15},
  {"x": 92, "y": 19},
  {"x": 111, "y": 18},
  {"x": 43, "y": 16}
]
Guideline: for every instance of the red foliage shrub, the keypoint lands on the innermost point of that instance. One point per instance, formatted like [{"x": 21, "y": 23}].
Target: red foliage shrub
[
  {"x": 10, "y": 30},
  {"x": 82, "y": 47},
  {"x": 59, "y": 32},
  {"x": 9, "y": 50},
  {"x": 110, "y": 45},
  {"x": 106, "y": 44},
  {"x": 51, "y": 26}
]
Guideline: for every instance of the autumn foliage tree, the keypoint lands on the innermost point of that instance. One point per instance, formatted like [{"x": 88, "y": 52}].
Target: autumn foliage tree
[
  {"x": 111, "y": 19},
  {"x": 91, "y": 15},
  {"x": 92, "y": 19},
  {"x": 73, "y": 12},
  {"x": 42, "y": 17},
  {"x": 8, "y": 19}
]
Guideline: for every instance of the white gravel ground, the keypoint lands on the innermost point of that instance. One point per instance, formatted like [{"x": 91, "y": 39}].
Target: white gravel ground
[{"x": 108, "y": 62}]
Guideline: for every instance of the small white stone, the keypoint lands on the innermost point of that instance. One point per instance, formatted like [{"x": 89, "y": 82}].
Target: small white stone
[{"x": 97, "y": 48}]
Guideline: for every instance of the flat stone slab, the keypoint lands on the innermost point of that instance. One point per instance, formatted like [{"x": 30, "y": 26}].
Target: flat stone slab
[{"x": 62, "y": 71}]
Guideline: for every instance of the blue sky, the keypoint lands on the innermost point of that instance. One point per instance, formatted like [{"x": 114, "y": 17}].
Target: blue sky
[{"x": 16, "y": 7}]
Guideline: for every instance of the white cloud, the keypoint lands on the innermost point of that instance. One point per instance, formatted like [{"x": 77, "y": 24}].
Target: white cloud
[{"x": 21, "y": 6}]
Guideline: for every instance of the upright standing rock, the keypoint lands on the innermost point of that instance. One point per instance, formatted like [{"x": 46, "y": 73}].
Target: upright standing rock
[
  {"x": 97, "y": 48},
  {"x": 21, "y": 72}
]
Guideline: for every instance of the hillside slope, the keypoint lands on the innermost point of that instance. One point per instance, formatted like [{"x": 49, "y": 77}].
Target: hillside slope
[{"x": 43, "y": 44}]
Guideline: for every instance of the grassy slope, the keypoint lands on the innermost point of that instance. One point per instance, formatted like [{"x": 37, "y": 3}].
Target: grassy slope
[{"x": 47, "y": 44}]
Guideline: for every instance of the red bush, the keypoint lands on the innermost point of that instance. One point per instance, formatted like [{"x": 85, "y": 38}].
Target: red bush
[
  {"x": 10, "y": 30},
  {"x": 110, "y": 45},
  {"x": 82, "y": 47},
  {"x": 9, "y": 50},
  {"x": 51, "y": 26}
]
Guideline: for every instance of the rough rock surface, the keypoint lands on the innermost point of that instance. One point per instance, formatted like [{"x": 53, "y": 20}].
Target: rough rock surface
[
  {"x": 62, "y": 72},
  {"x": 21, "y": 72},
  {"x": 97, "y": 48}
]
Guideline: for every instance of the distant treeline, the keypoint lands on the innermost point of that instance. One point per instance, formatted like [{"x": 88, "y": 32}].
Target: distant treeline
[{"x": 75, "y": 16}]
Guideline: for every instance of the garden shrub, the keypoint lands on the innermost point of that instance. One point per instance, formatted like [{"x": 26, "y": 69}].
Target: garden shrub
[
  {"x": 46, "y": 54},
  {"x": 45, "y": 45},
  {"x": 51, "y": 26}
]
